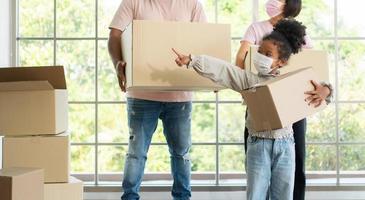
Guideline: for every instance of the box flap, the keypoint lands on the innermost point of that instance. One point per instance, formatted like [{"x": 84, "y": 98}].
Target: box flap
[
  {"x": 55, "y": 75},
  {"x": 281, "y": 77},
  {"x": 25, "y": 86}
]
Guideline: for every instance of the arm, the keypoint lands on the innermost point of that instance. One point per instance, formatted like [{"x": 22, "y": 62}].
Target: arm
[
  {"x": 121, "y": 19},
  {"x": 247, "y": 40},
  {"x": 242, "y": 54},
  {"x": 219, "y": 71},
  {"x": 115, "y": 52}
]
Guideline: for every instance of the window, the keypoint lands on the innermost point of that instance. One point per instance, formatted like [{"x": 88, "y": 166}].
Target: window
[{"x": 74, "y": 33}]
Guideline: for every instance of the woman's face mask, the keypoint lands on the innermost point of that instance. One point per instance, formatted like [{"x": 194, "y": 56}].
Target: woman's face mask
[
  {"x": 274, "y": 7},
  {"x": 262, "y": 63}
]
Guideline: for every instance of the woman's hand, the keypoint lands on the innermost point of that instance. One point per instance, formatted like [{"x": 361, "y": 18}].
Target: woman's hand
[
  {"x": 318, "y": 95},
  {"x": 181, "y": 58}
]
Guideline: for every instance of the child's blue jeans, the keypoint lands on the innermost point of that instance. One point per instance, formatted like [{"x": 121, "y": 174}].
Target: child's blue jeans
[{"x": 270, "y": 167}]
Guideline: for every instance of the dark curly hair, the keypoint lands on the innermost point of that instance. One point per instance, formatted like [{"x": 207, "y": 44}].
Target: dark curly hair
[
  {"x": 288, "y": 35},
  {"x": 292, "y": 8}
]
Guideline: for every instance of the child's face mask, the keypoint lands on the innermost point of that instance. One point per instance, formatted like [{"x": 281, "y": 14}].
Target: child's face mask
[
  {"x": 274, "y": 7},
  {"x": 262, "y": 63}
]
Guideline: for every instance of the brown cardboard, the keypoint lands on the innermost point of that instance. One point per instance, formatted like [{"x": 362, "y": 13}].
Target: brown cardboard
[
  {"x": 279, "y": 102},
  {"x": 21, "y": 183},
  {"x": 33, "y": 101},
  {"x": 50, "y": 153},
  {"x": 317, "y": 59},
  {"x": 73, "y": 190},
  {"x": 146, "y": 47}
]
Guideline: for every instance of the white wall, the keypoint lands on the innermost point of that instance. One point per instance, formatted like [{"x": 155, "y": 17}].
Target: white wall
[{"x": 5, "y": 33}]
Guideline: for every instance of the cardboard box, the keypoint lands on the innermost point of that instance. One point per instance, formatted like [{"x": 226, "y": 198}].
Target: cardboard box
[
  {"x": 21, "y": 184},
  {"x": 317, "y": 59},
  {"x": 73, "y": 190},
  {"x": 146, "y": 47},
  {"x": 279, "y": 102},
  {"x": 50, "y": 153},
  {"x": 33, "y": 101}
]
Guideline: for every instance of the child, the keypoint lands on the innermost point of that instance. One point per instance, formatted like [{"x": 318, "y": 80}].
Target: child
[{"x": 270, "y": 155}]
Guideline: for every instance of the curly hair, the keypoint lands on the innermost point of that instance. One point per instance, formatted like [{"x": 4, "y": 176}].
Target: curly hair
[{"x": 289, "y": 36}]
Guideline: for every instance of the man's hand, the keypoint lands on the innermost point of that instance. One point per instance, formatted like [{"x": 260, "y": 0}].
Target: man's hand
[
  {"x": 120, "y": 69},
  {"x": 318, "y": 95},
  {"x": 181, "y": 59}
]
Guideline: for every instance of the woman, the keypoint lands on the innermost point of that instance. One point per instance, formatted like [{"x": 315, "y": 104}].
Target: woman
[{"x": 278, "y": 10}]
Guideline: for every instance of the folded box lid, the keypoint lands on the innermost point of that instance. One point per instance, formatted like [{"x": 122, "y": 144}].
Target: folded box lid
[{"x": 32, "y": 78}]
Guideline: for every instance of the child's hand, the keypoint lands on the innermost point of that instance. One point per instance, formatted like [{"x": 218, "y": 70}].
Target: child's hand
[
  {"x": 318, "y": 95},
  {"x": 181, "y": 59}
]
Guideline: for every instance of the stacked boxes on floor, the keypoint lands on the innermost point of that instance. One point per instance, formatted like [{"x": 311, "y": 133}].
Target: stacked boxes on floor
[{"x": 34, "y": 121}]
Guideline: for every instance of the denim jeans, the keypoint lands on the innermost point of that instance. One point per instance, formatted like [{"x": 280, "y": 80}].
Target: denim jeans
[
  {"x": 270, "y": 166},
  {"x": 143, "y": 118}
]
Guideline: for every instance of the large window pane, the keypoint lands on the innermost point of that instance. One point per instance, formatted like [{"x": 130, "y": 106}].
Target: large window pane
[
  {"x": 321, "y": 158},
  {"x": 75, "y": 18},
  {"x": 203, "y": 164},
  {"x": 82, "y": 122},
  {"x": 231, "y": 164},
  {"x": 36, "y": 53},
  {"x": 78, "y": 57},
  {"x": 237, "y": 13},
  {"x": 350, "y": 23},
  {"x": 158, "y": 159},
  {"x": 83, "y": 162},
  {"x": 112, "y": 158},
  {"x": 352, "y": 161},
  {"x": 209, "y": 8},
  {"x": 106, "y": 11},
  {"x": 231, "y": 122},
  {"x": 351, "y": 122},
  {"x": 36, "y": 18},
  {"x": 321, "y": 127},
  {"x": 318, "y": 17},
  {"x": 113, "y": 123},
  {"x": 203, "y": 122},
  {"x": 109, "y": 89},
  {"x": 351, "y": 70}
]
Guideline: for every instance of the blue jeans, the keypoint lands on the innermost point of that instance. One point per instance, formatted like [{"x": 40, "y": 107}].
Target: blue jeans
[
  {"x": 143, "y": 117},
  {"x": 270, "y": 166}
]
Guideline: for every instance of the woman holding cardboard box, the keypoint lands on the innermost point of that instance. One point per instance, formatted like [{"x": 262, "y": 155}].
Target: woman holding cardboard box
[{"x": 277, "y": 10}]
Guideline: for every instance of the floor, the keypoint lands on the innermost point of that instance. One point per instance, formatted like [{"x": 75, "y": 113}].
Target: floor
[{"x": 323, "y": 195}]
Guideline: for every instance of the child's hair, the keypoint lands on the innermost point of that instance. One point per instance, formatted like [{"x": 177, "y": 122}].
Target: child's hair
[{"x": 288, "y": 35}]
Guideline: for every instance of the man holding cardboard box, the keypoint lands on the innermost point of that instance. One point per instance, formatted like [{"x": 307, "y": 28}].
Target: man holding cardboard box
[{"x": 145, "y": 108}]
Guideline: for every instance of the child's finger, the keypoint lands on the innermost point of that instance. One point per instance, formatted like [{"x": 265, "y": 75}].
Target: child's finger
[
  {"x": 178, "y": 54},
  {"x": 315, "y": 84},
  {"x": 310, "y": 92}
]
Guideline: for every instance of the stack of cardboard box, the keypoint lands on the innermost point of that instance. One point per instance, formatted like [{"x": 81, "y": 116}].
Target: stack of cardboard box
[{"x": 34, "y": 121}]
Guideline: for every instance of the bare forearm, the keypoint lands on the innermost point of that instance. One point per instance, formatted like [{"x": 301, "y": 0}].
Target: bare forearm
[{"x": 114, "y": 48}]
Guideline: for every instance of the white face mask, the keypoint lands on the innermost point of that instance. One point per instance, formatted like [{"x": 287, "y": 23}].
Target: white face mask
[
  {"x": 274, "y": 7},
  {"x": 262, "y": 63}
]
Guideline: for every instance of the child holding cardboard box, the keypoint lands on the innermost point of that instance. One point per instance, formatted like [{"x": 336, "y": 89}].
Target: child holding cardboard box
[{"x": 270, "y": 156}]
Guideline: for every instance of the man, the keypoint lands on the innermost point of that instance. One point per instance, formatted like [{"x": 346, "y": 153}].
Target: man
[{"x": 145, "y": 108}]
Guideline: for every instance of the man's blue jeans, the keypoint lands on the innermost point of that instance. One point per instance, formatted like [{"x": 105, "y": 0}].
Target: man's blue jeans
[
  {"x": 143, "y": 117},
  {"x": 270, "y": 166}
]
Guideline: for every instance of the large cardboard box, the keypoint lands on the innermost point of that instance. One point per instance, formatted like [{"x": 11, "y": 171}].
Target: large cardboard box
[
  {"x": 21, "y": 184},
  {"x": 317, "y": 59},
  {"x": 73, "y": 190},
  {"x": 33, "y": 101},
  {"x": 279, "y": 102},
  {"x": 146, "y": 47},
  {"x": 50, "y": 153}
]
